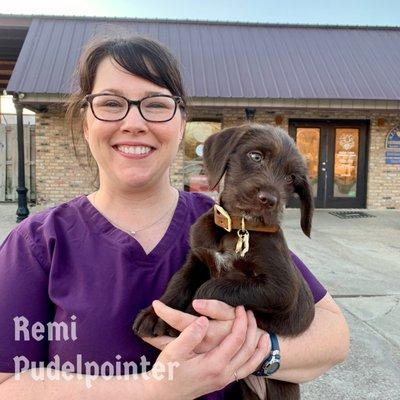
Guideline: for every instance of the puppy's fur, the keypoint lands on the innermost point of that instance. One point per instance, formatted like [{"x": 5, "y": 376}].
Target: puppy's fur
[{"x": 262, "y": 169}]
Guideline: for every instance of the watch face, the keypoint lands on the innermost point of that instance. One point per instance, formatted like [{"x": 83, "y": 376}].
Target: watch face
[{"x": 271, "y": 368}]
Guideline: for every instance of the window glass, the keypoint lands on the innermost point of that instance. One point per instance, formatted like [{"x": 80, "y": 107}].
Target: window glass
[
  {"x": 346, "y": 161},
  {"x": 308, "y": 142},
  {"x": 195, "y": 135}
]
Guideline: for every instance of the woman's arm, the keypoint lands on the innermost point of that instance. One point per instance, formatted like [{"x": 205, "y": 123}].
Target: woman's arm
[
  {"x": 303, "y": 358},
  {"x": 4, "y": 376},
  {"x": 323, "y": 345},
  {"x": 192, "y": 376},
  {"x": 75, "y": 388}
]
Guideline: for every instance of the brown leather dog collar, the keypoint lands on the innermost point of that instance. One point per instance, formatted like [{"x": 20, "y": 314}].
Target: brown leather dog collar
[{"x": 227, "y": 222}]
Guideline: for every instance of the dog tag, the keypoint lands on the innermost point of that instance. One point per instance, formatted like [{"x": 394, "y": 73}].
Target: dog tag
[
  {"x": 242, "y": 245},
  {"x": 246, "y": 244}
]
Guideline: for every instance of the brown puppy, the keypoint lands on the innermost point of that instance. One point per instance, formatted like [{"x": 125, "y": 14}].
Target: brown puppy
[{"x": 262, "y": 168}]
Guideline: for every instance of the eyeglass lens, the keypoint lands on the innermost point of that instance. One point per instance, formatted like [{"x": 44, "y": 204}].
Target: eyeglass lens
[{"x": 112, "y": 108}]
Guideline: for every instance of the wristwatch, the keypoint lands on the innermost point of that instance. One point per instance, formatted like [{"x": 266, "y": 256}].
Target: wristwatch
[{"x": 272, "y": 363}]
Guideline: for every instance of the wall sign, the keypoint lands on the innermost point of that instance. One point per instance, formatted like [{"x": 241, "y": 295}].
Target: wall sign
[{"x": 392, "y": 146}]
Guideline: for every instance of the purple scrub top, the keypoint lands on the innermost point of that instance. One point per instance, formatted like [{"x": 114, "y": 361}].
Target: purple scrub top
[{"x": 70, "y": 264}]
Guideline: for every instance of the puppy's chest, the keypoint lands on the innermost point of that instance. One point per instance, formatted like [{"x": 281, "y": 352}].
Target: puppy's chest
[
  {"x": 225, "y": 258},
  {"x": 224, "y": 261}
]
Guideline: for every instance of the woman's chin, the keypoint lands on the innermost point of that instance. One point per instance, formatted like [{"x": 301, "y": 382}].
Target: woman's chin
[
  {"x": 136, "y": 182},
  {"x": 135, "y": 178}
]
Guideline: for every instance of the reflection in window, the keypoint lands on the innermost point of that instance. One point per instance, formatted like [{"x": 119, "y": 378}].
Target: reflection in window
[
  {"x": 346, "y": 158},
  {"x": 307, "y": 140},
  {"x": 195, "y": 135}
]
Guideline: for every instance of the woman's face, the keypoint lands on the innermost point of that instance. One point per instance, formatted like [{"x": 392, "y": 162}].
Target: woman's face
[{"x": 131, "y": 153}]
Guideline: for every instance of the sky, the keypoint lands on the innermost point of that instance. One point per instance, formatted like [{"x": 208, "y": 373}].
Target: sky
[{"x": 332, "y": 12}]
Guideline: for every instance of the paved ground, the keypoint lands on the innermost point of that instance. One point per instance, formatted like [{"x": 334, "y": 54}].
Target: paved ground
[{"x": 358, "y": 260}]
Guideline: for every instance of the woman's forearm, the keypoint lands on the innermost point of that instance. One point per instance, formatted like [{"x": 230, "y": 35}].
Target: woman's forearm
[
  {"x": 81, "y": 387},
  {"x": 323, "y": 345}
]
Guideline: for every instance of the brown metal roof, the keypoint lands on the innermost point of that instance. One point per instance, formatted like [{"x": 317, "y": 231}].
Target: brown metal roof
[{"x": 229, "y": 60}]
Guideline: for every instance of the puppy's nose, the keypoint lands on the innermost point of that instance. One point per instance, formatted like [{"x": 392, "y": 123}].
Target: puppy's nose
[{"x": 268, "y": 200}]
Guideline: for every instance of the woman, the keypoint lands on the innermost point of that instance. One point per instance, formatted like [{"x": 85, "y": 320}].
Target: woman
[{"x": 88, "y": 266}]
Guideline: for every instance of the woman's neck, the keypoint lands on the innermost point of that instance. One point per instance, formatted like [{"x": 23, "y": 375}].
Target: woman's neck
[{"x": 135, "y": 209}]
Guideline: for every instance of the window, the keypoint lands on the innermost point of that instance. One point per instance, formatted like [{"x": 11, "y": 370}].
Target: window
[{"x": 196, "y": 134}]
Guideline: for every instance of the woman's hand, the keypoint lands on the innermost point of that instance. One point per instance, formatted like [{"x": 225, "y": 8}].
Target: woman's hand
[
  {"x": 235, "y": 357},
  {"x": 222, "y": 314}
]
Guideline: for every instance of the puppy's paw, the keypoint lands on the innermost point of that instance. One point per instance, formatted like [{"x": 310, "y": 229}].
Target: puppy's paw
[
  {"x": 148, "y": 324},
  {"x": 145, "y": 322}
]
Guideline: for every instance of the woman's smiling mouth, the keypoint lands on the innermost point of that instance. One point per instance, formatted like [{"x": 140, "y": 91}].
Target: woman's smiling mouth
[{"x": 134, "y": 151}]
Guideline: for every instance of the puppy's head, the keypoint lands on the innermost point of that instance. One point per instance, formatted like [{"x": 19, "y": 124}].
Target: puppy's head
[{"x": 262, "y": 168}]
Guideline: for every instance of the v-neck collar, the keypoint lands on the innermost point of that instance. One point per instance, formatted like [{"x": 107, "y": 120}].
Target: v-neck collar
[{"x": 101, "y": 224}]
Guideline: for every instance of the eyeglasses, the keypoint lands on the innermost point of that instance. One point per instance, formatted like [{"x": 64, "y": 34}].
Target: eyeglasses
[{"x": 112, "y": 107}]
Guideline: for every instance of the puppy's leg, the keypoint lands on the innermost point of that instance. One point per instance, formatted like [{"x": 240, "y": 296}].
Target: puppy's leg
[
  {"x": 257, "y": 385},
  {"x": 179, "y": 294},
  {"x": 243, "y": 391},
  {"x": 280, "y": 390}
]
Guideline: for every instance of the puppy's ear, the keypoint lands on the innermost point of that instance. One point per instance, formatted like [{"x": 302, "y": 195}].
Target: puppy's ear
[
  {"x": 304, "y": 190},
  {"x": 217, "y": 150}
]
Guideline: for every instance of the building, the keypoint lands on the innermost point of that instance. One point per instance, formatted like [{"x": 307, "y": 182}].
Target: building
[{"x": 335, "y": 89}]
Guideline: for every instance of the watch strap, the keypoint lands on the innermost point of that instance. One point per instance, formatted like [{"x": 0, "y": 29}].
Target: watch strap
[
  {"x": 274, "y": 358},
  {"x": 274, "y": 342}
]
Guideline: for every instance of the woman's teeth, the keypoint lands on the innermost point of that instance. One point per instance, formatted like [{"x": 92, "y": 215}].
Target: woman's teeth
[{"x": 134, "y": 149}]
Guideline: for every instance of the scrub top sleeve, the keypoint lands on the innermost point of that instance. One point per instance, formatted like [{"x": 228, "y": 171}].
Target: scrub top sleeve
[
  {"x": 24, "y": 302},
  {"x": 316, "y": 287}
]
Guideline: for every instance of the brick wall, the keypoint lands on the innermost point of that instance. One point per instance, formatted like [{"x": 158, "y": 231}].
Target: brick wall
[
  {"x": 58, "y": 175},
  {"x": 383, "y": 179},
  {"x": 60, "y": 178}
]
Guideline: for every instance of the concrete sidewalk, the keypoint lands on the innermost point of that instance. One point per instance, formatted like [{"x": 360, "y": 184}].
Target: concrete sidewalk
[{"x": 358, "y": 260}]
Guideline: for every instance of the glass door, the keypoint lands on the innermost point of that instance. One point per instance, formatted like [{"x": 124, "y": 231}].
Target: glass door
[
  {"x": 335, "y": 152},
  {"x": 346, "y": 162},
  {"x": 308, "y": 142}
]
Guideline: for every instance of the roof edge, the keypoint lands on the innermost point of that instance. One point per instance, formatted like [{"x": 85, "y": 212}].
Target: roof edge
[
  {"x": 320, "y": 104},
  {"x": 202, "y": 22}
]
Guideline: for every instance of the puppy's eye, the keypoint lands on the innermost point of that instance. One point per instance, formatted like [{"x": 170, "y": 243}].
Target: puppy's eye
[
  {"x": 289, "y": 178},
  {"x": 256, "y": 156}
]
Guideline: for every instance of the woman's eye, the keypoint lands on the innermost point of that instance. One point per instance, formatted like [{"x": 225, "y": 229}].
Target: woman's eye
[
  {"x": 113, "y": 104},
  {"x": 289, "y": 178},
  {"x": 256, "y": 156},
  {"x": 109, "y": 104},
  {"x": 156, "y": 105}
]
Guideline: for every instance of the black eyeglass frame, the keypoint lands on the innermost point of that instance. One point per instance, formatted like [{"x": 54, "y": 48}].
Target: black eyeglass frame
[{"x": 89, "y": 100}]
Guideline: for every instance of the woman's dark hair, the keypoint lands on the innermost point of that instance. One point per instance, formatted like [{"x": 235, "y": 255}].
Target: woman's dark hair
[{"x": 138, "y": 55}]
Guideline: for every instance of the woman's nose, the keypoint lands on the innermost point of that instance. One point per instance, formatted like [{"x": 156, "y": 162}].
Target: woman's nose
[{"x": 134, "y": 120}]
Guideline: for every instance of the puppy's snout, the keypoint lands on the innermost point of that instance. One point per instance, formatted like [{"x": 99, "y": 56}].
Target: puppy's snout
[{"x": 268, "y": 200}]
